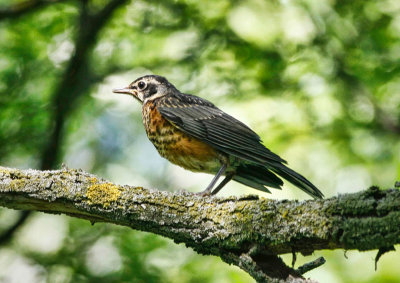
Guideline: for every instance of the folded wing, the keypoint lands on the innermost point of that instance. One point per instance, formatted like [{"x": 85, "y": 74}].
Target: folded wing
[{"x": 202, "y": 120}]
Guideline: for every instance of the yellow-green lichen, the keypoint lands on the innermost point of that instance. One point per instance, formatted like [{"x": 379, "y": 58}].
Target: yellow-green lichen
[
  {"x": 103, "y": 194},
  {"x": 17, "y": 185}
]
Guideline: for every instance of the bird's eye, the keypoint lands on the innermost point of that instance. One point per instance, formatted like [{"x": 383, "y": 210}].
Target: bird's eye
[{"x": 141, "y": 85}]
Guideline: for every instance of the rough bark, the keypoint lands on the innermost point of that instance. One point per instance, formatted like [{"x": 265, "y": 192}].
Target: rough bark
[{"x": 248, "y": 231}]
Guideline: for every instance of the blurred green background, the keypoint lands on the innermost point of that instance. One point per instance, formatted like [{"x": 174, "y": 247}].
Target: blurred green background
[{"x": 317, "y": 79}]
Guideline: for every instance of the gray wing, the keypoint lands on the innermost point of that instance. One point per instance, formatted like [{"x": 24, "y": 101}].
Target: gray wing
[{"x": 202, "y": 120}]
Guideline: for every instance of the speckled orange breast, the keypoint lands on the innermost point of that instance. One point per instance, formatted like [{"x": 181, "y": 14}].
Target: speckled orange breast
[{"x": 176, "y": 146}]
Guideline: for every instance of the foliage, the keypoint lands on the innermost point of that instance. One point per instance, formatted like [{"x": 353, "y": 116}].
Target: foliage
[{"x": 318, "y": 80}]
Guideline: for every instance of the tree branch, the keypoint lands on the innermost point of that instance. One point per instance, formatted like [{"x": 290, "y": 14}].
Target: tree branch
[
  {"x": 74, "y": 83},
  {"x": 249, "y": 231},
  {"x": 23, "y": 8}
]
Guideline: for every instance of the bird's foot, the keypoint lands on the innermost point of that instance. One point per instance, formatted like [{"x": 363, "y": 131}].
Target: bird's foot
[{"x": 204, "y": 193}]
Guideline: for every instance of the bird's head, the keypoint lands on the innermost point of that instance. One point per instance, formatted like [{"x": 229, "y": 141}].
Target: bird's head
[{"x": 147, "y": 88}]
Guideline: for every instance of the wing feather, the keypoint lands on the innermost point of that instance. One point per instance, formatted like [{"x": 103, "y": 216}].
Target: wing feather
[{"x": 220, "y": 130}]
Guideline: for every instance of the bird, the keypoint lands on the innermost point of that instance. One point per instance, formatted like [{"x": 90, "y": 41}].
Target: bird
[{"x": 193, "y": 133}]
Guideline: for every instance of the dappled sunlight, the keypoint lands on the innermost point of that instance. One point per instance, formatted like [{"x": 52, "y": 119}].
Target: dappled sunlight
[
  {"x": 16, "y": 268},
  {"x": 103, "y": 258},
  {"x": 43, "y": 234},
  {"x": 317, "y": 80}
]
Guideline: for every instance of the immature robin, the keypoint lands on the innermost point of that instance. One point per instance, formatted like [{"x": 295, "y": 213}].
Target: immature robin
[{"x": 191, "y": 132}]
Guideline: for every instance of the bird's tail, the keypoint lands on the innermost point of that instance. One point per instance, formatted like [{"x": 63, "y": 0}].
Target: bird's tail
[
  {"x": 257, "y": 177},
  {"x": 298, "y": 180},
  {"x": 260, "y": 177}
]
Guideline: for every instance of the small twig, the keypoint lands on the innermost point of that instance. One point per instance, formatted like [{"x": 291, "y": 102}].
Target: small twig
[
  {"x": 311, "y": 265},
  {"x": 381, "y": 252},
  {"x": 294, "y": 258}
]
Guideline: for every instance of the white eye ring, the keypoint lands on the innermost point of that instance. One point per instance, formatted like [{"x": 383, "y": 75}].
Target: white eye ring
[{"x": 142, "y": 85}]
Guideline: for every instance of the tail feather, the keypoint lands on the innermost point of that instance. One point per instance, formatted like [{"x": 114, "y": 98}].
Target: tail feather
[
  {"x": 298, "y": 180},
  {"x": 257, "y": 177},
  {"x": 260, "y": 177},
  {"x": 251, "y": 183}
]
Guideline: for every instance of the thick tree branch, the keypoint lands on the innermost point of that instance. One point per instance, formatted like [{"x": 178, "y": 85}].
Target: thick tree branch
[{"x": 246, "y": 231}]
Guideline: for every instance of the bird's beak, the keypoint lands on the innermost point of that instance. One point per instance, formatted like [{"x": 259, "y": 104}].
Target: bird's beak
[
  {"x": 124, "y": 90},
  {"x": 128, "y": 91}
]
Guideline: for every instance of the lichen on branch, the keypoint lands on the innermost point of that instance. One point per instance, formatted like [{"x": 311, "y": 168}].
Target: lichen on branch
[{"x": 247, "y": 231}]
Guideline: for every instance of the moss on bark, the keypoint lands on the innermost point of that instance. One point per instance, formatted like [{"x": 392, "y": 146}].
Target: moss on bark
[{"x": 247, "y": 231}]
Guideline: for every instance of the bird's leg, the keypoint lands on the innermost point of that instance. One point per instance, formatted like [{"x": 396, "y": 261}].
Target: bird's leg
[
  {"x": 223, "y": 183},
  {"x": 221, "y": 171}
]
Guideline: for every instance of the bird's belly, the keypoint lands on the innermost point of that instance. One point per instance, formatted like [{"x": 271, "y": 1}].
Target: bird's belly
[
  {"x": 187, "y": 152},
  {"x": 178, "y": 147}
]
